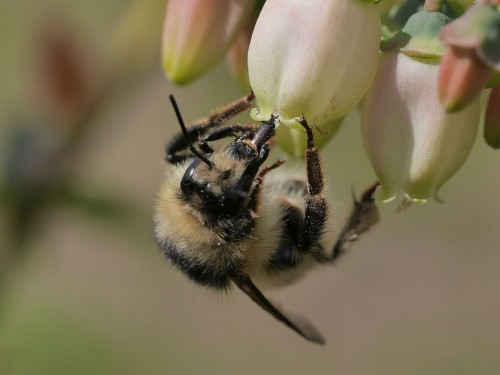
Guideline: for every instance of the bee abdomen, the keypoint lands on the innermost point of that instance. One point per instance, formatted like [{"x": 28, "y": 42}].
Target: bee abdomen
[{"x": 204, "y": 272}]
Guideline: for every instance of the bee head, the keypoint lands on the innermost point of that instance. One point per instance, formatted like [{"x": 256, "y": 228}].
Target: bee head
[{"x": 219, "y": 184}]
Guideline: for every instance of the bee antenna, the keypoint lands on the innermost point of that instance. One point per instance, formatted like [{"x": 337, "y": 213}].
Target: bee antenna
[{"x": 186, "y": 134}]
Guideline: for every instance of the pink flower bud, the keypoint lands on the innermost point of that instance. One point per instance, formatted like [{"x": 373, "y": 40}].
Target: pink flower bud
[
  {"x": 462, "y": 77},
  {"x": 414, "y": 145},
  {"x": 197, "y": 34},
  {"x": 473, "y": 52}
]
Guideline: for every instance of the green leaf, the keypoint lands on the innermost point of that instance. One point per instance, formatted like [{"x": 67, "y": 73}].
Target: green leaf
[
  {"x": 419, "y": 38},
  {"x": 423, "y": 29}
]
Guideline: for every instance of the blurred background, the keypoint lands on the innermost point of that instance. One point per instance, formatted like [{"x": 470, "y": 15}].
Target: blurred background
[{"x": 84, "y": 118}]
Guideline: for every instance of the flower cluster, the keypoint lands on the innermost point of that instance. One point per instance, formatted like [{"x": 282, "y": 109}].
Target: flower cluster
[{"x": 417, "y": 71}]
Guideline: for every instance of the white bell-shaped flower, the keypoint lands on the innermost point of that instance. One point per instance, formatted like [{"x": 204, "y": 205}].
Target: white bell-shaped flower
[
  {"x": 314, "y": 57},
  {"x": 414, "y": 145}
]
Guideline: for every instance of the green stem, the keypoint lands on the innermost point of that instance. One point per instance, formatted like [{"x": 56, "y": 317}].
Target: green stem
[{"x": 433, "y": 5}]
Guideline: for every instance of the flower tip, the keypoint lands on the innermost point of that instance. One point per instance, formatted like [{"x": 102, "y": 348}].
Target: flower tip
[
  {"x": 438, "y": 198},
  {"x": 180, "y": 80},
  {"x": 384, "y": 194},
  {"x": 176, "y": 79},
  {"x": 492, "y": 138},
  {"x": 260, "y": 116},
  {"x": 452, "y": 99},
  {"x": 451, "y": 106},
  {"x": 177, "y": 75},
  {"x": 416, "y": 200},
  {"x": 494, "y": 143},
  {"x": 293, "y": 123}
]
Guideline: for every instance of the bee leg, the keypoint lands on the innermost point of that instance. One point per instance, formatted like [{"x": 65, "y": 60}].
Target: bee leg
[
  {"x": 223, "y": 132},
  {"x": 316, "y": 209},
  {"x": 199, "y": 127},
  {"x": 255, "y": 193},
  {"x": 225, "y": 113},
  {"x": 364, "y": 215}
]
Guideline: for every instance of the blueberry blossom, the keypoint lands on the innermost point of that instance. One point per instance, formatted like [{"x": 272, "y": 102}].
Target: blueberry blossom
[
  {"x": 414, "y": 145},
  {"x": 314, "y": 57}
]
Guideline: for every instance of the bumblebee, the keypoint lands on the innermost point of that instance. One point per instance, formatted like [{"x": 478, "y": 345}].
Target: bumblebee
[{"x": 222, "y": 220}]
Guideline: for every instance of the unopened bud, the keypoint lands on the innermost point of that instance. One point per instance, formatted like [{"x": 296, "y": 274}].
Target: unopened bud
[
  {"x": 462, "y": 77},
  {"x": 197, "y": 34}
]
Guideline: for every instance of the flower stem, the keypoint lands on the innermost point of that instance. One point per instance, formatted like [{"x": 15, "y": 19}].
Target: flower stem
[{"x": 433, "y": 5}]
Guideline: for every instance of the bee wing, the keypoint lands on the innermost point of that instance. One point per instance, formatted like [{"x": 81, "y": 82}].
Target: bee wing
[{"x": 299, "y": 324}]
